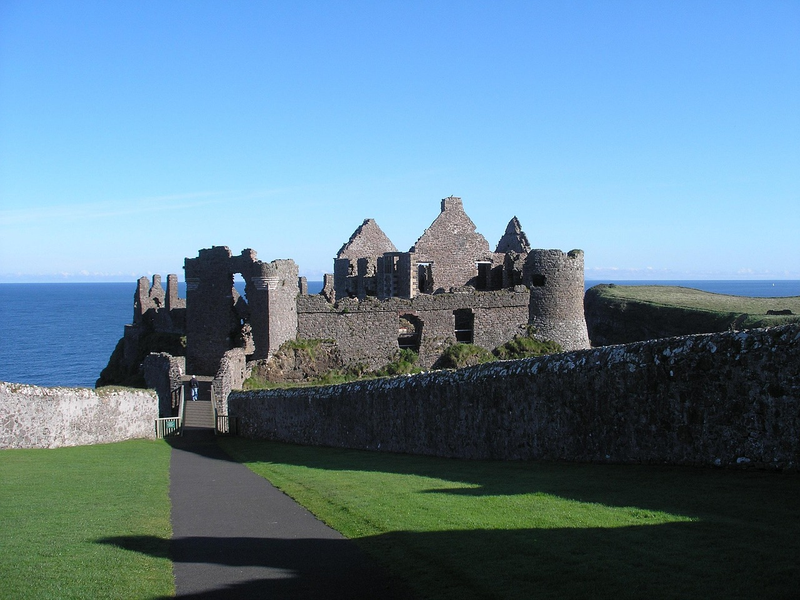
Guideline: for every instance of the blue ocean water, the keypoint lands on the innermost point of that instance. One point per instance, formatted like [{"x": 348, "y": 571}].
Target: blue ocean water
[{"x": 63, "y": 333}]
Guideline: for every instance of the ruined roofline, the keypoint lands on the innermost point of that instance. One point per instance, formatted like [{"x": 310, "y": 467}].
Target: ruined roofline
[
  {"x": 367, "y": 240},
  {"x": 514, "y": 239},
  {"x": 452, "y": 212}
]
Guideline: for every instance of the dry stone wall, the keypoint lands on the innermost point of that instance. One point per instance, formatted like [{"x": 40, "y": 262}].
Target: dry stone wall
[
  {"x": 729, "y": 399},
  {"x": 40, "y": 417}
]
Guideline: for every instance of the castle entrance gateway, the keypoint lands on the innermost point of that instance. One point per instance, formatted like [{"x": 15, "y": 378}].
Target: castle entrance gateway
[{"x": 218, "y": 318}]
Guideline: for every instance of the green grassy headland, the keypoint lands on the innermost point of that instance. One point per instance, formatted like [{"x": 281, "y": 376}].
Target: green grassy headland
[{"x": 618, "y": 314}]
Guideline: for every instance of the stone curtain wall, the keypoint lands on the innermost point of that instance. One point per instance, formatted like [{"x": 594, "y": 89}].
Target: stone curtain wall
[
  {"x": 718, "y": 399},
  {"x": 39, "y": 417},
  {"x": 367, "y": 331}
]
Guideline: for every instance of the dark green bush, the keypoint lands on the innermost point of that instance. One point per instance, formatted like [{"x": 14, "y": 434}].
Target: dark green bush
[
  {"x": 463, "y": 355},
  {"x": 525, "y": 346}
]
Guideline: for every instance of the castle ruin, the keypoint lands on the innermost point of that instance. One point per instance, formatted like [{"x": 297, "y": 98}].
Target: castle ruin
[{"x": 449, "y": 287}]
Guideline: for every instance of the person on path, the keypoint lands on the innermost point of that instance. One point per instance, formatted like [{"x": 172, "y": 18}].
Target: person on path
[{"x": 194, "y": 385}]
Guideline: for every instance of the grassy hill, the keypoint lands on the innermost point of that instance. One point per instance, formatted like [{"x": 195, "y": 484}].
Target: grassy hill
[{"x": 619, "y": 314}]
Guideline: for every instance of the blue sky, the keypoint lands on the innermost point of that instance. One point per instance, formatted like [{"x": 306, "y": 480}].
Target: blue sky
[{"x": 662, "y": 138}]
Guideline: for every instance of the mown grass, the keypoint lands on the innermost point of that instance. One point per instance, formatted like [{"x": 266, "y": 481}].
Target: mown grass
[
  {"x": 61, "y": 509},
  {"x": 474, "y": 529}
]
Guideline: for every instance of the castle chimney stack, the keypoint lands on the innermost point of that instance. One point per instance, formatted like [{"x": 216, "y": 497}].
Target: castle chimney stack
[{"x": 452, "y": 203}]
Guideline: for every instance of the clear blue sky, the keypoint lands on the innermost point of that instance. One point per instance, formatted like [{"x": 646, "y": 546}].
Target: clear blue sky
[{"x": 662, "y": 138}]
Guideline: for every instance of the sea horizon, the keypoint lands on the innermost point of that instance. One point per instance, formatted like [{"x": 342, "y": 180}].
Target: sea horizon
[{"x": 62, "y": 334}]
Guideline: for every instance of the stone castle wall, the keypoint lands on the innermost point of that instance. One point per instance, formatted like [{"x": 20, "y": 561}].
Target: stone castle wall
[
  {"x": 40, "y": 417},
  {"x": 710, "y": 400},
  {"x": 367, "y": 331},
  {"x": 230, "y": 376}
]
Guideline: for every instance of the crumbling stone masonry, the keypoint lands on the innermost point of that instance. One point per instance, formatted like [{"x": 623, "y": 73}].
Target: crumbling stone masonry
[
  {"x": 154, "y": 310},
  {"x": 727, "y": 399},
  {"x": 219, "y": 319}
]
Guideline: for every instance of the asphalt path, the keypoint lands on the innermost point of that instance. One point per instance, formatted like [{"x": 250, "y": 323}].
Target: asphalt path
[{"x": 234, "y": 535}]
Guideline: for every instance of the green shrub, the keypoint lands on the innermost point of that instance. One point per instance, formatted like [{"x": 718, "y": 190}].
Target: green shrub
[
  {"x": 463, "y": 355},
  {"x": 404, "y": 364},
  {"x": 526, "y": 346}
]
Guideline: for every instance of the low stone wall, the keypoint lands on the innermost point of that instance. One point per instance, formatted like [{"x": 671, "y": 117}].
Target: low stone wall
[
  {"x": 720, "y": 399},
  {"x": 40, "y": 417}
]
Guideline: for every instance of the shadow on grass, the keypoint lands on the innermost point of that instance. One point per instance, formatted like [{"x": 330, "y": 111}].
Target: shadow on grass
[
  {"x": 671, "y": 560},
  {"x": 271, "y": 567},
  {"x": 689, "y": 491},
  {"x": 743, "y": 542}
]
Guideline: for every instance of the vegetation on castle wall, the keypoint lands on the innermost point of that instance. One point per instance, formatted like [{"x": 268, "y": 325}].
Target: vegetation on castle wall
[
  {"x": 305, "y": 362},
  {"x": 458, "y": 356},
  {"x": 317, "y": 362},
  {"x": 406, "y": 363},
  {"x": 526, "y": 346}
]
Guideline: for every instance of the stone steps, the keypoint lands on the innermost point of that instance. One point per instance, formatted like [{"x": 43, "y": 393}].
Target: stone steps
[{"x": 198, "y": 414}]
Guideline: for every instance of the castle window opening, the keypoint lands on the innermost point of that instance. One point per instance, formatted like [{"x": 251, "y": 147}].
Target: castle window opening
[
  {"x": 483, "y": 282},
  {"x": 538, "y": 280},
  {"x": 409, "y": 332},
  {"x": 464, "y": 325},
  {"x": 424, "y": 278}
]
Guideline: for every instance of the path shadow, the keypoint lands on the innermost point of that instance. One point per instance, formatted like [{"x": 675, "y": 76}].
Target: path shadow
[
  {"x": 276, "y": 568},
  {"x": 673, "y": 560}
]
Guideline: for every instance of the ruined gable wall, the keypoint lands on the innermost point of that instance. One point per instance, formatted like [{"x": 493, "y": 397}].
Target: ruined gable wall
[
  {"x": 355, "y": 263},
  {"x": 52, "y": 417},
  {"x": 718, "y": 399},
  {"x": 452, "y": 244}
]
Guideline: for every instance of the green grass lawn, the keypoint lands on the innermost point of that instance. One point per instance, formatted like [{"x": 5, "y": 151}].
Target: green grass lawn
[
  {"x": 474, "y": 529},
  {"x": 60, "y": 510}
]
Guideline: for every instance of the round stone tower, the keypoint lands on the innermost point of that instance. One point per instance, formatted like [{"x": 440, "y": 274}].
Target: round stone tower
[{"x": 555, "y": 279}]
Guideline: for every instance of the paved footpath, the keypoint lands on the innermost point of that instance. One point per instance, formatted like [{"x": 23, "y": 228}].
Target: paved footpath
[{"x": 237, "y": 536}]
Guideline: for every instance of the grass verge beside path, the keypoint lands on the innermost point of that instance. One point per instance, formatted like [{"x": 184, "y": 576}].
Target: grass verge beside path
[
  {"x": 64, "y": 512},
  {"x": 480, "y": 529}
]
